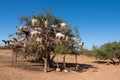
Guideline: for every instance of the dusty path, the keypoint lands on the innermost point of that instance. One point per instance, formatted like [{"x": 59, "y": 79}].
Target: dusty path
[{"x": 90, "y": 70}]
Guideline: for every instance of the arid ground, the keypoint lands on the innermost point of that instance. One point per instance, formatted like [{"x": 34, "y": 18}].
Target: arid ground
[{"x": 89, "y": 69}]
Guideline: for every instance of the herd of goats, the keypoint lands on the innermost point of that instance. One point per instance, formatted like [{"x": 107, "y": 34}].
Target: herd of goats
[{"x": 45, "y": 37}]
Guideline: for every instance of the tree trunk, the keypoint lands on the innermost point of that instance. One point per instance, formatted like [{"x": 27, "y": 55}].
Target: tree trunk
[
  {"x": 57, "y": 62},
  {"x": 12, "y": 58},
  {"x": 64, "y": 61},
  {"x": 45, "y": 65},
  {"x": 112, "y": 61},
  {"x": 76, "y": 63},
  {"x": 16, "y": 56}
]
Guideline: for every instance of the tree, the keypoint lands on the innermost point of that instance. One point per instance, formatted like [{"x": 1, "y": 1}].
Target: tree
[
  {"x": 50, "y": 43},
  {"x": 108, "y": 51}
]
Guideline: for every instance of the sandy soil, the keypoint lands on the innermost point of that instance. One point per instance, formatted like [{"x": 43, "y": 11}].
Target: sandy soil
[{"x": 89, "y": 69}]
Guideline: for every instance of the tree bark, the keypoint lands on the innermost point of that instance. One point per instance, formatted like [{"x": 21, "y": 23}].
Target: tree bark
[
  {"x": 112, "y": 61},
  {"x": 64, "y": 61},
  {"x": 76, "y": 63},
  {"x": 12, "y": 58},
  {"x": 45, "y": 65}
]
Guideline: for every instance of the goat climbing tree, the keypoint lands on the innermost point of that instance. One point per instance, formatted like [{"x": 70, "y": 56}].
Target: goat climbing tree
[{"x": 46, "y": 34}]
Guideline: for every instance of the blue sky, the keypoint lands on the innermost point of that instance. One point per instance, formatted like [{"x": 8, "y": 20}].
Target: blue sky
[{"x": 98, "y": 20}]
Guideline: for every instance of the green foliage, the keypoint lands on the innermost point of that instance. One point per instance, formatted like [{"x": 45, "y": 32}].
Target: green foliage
[
  {"x": 101, "y": 55},
  {"x": 34, "y": 48},
  {"x": 106, "y": 51},
  {"x": 117, "y": 53},
  {"x": 89, "y": 53},
  {"x": 62, "y": 48}
]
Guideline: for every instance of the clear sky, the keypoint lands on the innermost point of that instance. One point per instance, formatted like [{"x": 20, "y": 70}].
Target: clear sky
[{"x": 98, "y": 20}]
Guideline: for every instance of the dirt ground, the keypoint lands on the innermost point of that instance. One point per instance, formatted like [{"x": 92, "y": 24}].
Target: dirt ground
[{"x": 89, "y": 69}]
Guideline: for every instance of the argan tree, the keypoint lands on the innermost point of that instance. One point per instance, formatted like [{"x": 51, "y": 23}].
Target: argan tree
[{"x": 49, "y": 43}]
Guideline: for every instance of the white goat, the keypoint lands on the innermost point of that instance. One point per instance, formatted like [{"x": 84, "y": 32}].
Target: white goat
[
  {"x": 81, "y": 44},
  {"x": 21, "y": 39},
  {"x": 38, "y": 29},
  {"x": 46, "y": 23},
  {"x": 39, "y": 40},
  {"x": 34, "y": 22},
  {"x": 20, "y": 28},
  {"x": 53, "y": 26},
  {"x": 60, "y": 35},
  {"x": 34, "y": 33},
  {"x": 63, "y": 25}
]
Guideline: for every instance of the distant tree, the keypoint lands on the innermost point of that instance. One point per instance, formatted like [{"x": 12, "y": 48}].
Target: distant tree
[{"x": 108, "y": 51}]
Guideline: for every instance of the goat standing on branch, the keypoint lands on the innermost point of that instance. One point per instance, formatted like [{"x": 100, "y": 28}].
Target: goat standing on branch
[
  {"x": 34, "y": 22},
  {"x": 60, "y": 35},
  {"x": 46, "y": 23},
  {"x": 7, "y": 42},
  {"x": 63, "y": 26}
]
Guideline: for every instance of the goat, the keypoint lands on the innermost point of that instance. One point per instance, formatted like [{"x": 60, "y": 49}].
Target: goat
[
  {"x": 53, "y": 26},
  {"x": 81, "y": 44},
  {"x": 21, "y": 28},
  {"x": 60, "y": 35},
  {"x": 34, "y": 22},
  {"x": 34, "y": 32},
  {"x": 19, "y": 34},
  {"x": 18, "y": 41},
  {"x": 38, "y": 29},
  {"x": 39, "y": 40},
  {"x": 21, "y": 39},
  {"x": 7, "y": 42},
  {"x": 63, "y": 25},
  {"x": 13, "y": 40},
  {"x": 46, "y": 23}
]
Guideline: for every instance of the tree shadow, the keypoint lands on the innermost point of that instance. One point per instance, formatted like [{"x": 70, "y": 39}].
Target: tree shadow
[
  {"x": 72, "y": 67},
  {"x": 31, "y": 65},
  {"x": 100, "y": 62},
  {"x": 106, "y": 62}
]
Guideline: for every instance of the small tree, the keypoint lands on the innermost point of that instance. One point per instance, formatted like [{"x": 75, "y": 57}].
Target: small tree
[{"x": 108, "y": 51}]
